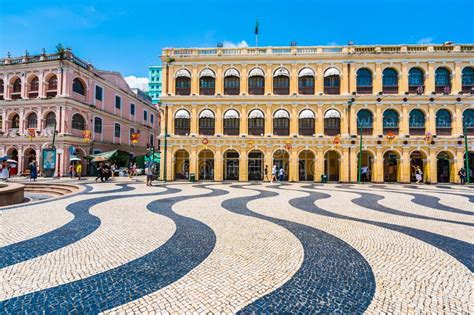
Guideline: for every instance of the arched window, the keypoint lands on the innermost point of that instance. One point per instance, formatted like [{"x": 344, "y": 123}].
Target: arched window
[
  {"x": 231, "y": 123},
  {"x": 281, "y": 123},
  {"x": 34, "y": 87},
  {"x": 231, "y": 82},
  {"x": 52, "y": 88},
  {"x": 364, "y": 81},
  {"x": 206, "y": 122},
  {"x": 468, "y": 80},
  {"x": 256, "y": 123},
  {"x": 365, "y": 121},
  {"x": 256, "y": 82},
  {"x": 78, "y": 122},
  {"x": 183, "y": 82},
  {"x": 417, "y": 122},
  {"x": 281, "y": 82},
  {"x": 50, "y": 121},
  {"x": 78, "y": 86},
  {"x": 15, "y": 121},
  {"x": 390, "y": 122},
  {"x": 443, "y": 80},
  {"x": 207, "y": 82},
  {"x": 332, "y": 123},
  {"x": 390, "y": 81},
  {"x": 306, "y": 81},
  {"x": 16, "y": 90},
  {"x": 416, "y": 81},
  {"x": 443, "y": 122},
  {"x": 468, "y": 121},
  {"x": 2, "y": 86},
  {"x": 306, "y": 123},
  {"x": 332, "y": 84},
  {"x": 182, "y": 123},
  {"x": 32, "y": 121}
]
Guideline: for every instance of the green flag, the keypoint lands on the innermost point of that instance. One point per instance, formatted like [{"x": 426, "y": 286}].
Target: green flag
[{"x": 256, "y": 27}]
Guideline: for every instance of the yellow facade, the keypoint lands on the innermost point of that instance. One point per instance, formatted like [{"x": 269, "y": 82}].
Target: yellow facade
[{"x": 392, "y": 147}]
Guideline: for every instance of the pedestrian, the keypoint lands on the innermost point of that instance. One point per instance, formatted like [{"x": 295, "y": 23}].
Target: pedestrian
[
  {"x": 100, "y": 173},
  {"x": 418, "y": 174},
  {"x": 130, "y": 170},
  {"x": 134, "y": 169},
  {"x": 33, "y": 170},
  {"x": 462, "y": 175},
  {"x": 281, "y": 174},
  {"x": 266, "y": 172},
  {"x": 274, "y": 174},
  {"x": 113, "y": 167},
  {"x": 4, "y": 173},
  {"x": 79, "y": 170},
  {"x": 71, "y": 170},
  {"x": 149, "y": 175},
  {"x": 364, "y": 170}
]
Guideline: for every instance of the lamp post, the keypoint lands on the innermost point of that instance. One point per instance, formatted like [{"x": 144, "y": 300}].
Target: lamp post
[
  {"x": 359, "y": 162},
  {"x": 466, "y": 157},
  {"x": 165, "y": 143}
]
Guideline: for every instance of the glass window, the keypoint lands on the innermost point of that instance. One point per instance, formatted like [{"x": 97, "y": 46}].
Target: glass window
[
  {"x": 417, "y": 119},
  {"x": 117, "y": 130},
  {"x": 364, "y": 119},
  {"x": 390, "y": 77},
  {"x": 78, "y": 86},
  {"x": 443, "y": 119},
  {"x": 78, "y": 122},
  {"x": 416, "y": 77},
  {"x": 145, "y": 115},
  {"x": 152, "y": 118},
  {"x": 118, "y": 102},
  {"x": 468, "y": 76},
  {"x": 17, "y": 86},
  {"x": 32, "y": 121},
  {"x": 468, "y": 118},
  {"x": 364, "y": 77},
  {"x": 442, "y": 77},
  {"x": 390, "y": 119},
  {"x": 98, "y": 125},
  {"x": 132, "y": 109},
  {"x": 98, "y": 93}
]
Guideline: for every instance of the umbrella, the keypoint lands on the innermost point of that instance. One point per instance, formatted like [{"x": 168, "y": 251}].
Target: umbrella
[
  {"x": 100, "y": 159},
  {"x": 75, "y": 159},
  {"x": 4, "y": 158},
  {"x": 11, "y": 161}
]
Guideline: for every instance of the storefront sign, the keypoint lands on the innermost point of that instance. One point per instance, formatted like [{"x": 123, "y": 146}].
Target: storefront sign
[{"x": 49, "y": 159}]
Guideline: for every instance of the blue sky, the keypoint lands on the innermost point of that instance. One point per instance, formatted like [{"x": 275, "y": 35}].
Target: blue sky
[{"x": 128, "y": 36}]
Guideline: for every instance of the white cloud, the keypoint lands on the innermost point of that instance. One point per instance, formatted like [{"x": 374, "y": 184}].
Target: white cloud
[
  {"x": 229, "y": 44},
  {"x": 425, "y": 40},
  {"x": 140, "y": 82},
  {"x": 332, "y": 44}
]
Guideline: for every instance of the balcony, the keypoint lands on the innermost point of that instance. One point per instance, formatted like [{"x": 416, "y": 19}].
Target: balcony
[
  {"x": 416, "y": 89},
  {"x": 306, "y": 90},
  {"x": 393, "y": 130},
  {"x": 390, "y": 90},
  {"x": 332, "y": 90},
  {"x": 207, "y": 91},
  {"x": 206, "y": 131},
  {"x": 281, "y": 131},
  {"x": 256, "y": 90},
  {"x": 365, "y": 131},
  {"x": 231, "y": 131},
  {"x": 181, "y": 131},
  {"x": 256, "y": 131},
  {"x": 364, "y": 90},
  {"x": 281, "y": 90},
  {"x": 332, "y": 131},
  {"x": 231, "y": 90},
  {"x": 183, "y": 91},
  {"x": 306, "y": 131},
  {"x": 443, "y": 89},
  {"x": 468, "y": 89},
  {"x": 417, "y": 131}
]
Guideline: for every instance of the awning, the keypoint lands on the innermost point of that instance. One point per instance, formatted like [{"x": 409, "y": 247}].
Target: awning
[
  {"x": 182, "y": 113},
  {"x": 183, "y": 73},
  {"x": 207, "y": 73},
  {"x": 231, "y": 113},
  {"x": 281, "y": 72},
  {"x": 332, "y": 113},
  {"x": 306, "y": 72},
  {"x": 306, "y": 113},
  {"x": 256, "y": 113},
  {"x": 256, "y": 72},
  {"x": 121, "y": 157},
  {"x": 331, "y": 71},
  {"x": 231, "y": 72},
  {"x": 281, "y": 113},
  {"x": 206, "y": 114}
]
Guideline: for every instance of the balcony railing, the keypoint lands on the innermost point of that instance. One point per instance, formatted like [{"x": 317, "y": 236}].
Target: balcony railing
[
  {"x": 183, "y": 91},
  {"x": 256, "y": 131},
  {"x": 443, "y": 131},
  {"x": 417, "y": 131},
  {"x": 231, "y": 91},
  {"x": 181, "y": 131},
  {"x": 468, "y": 89},
  {"x": 332, "y": 131},
  {"x": 390, "y": 89},
  {"x": 281, "y": 131},
  {"x": 416, "y": 89},
  {"x": 307, "y": 90},
  {"x": 207, "y": 91},
  {"x": 281, "y": 90},
  {"x": 364, "y": 90},
  {"x": 206, "y": 131},
  {"x": 442, "y": 89},
  {"x": 365, "y": 131},
  {"x": 256, "y": 90},
  {"x": 305, "y": 131},
  {"x": 393, "y": 130},
  {"x": 332, "y": 90},
  {"x": 231, "y": 131}
]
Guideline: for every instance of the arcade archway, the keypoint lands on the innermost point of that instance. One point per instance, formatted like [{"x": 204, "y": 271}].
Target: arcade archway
[
  {"x": 332, "y": 165},
  {"x": 206, "y": 165},
  {"x": 181, "y": 165}
]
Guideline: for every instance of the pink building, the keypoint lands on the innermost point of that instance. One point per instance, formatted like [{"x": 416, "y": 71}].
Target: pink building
[{"x": 93, "y": 111}]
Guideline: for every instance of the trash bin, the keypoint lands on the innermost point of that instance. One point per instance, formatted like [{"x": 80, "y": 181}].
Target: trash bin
[
  {"x": 324, "y": 179},
  {"x": 192, "y": 177}
]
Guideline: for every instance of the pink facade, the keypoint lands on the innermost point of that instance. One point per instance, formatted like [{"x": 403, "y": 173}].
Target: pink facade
[{"x": 37, "y": 92}]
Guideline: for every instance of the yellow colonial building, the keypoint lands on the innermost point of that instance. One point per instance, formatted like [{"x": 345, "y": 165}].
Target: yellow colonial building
[{"x": 232, "y": 113}]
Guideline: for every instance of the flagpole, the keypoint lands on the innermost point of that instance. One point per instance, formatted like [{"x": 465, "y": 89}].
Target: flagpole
[{"x": 256, "y": 40}]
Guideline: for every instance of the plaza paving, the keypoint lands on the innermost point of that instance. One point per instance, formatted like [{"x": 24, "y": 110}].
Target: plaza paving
[{"x": 241, "y": 247}]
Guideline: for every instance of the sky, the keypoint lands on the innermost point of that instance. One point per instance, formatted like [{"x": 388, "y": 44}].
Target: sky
[{"x": 128, "y": 36}]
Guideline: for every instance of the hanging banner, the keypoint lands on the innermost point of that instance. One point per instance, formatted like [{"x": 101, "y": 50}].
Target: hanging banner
[
  {"x": 31, "y": 133},
  {"x": 49, "y": 159},
  {"x": 390, "y": 136},
  {"x": 135, "y": 137},
  {"x": 337, "y": 140},
  {"x": 86, "y": 136}
]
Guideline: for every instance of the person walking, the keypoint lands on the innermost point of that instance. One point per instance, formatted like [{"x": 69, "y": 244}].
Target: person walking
[
  {"x": 266, "y": 172},
  {"x": 4, "y": 174},
  {"x": 274, "y": 174},
  {"x": 71, "y": 170},
  {"x": 100, "y": 173},
  {"x": 418, "y": 174},
  {"x": 149, "y": 175},
  {"x": 79, "y": 170},
  {"x": 33, "y": 170},
  {"x": 113, "y": 167},
  {"x": 462, "y": 175},
  {"x": 281, "y": 174}
]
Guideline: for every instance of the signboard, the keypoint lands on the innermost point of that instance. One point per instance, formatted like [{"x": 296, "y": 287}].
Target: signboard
[{"x": 49, "y": 159}]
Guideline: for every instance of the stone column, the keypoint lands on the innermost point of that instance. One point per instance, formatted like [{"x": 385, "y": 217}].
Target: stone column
[
  {"x": 457, "y": 78},
  {"x": 319, "y": 80},
  {"x": 268, "y": 121},
  {"x": 319, "y": 121},
  {"x": 405, "y": 165},
  {"x": 403, "y": 78},
  {"x": 354, "y": 165},
  {"x": 243, "y": 80},
  {"x": 269, "y": 80},
  {"x": 319, "y": 164},
  {"x": 219, "y": 81},
  {"x": 293, "y": 79},
  {"x": 22, "y": 121},
  {"x": 193, "y": 162},
  {"x": 194, "y": 80},
  {"x": 219, "y": 121},
  {"x": 42, "y": 86},
  {"x": 377, "y": 79},
  {"x": 194, "y": 120},
  {"x": 218, "y": 165},
  {"x": 344, "y": 165},
  {"x": 243, "y": 119},
  {"x": 431, "y": 123},
  {"x": 24, "y": 89},
  {"x": 432, "y": 166},
  {"x": 344, "y": 79},
  {"x": 404, "y": 122},
  {"x": 243, "y": 165},
  {"x": 457, "y": 122},
  {"x": 294, "y": 120},
  {"x": 378, "y": 169},
  {"x": 293, "y": 172},
  {"x": 430, "y": 78},
  {"x": 268, "y": 160},
  {"x": 378, "y": 121}
]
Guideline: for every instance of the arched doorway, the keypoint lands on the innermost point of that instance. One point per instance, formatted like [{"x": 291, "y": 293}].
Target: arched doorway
[
  {"x": 80, "y": 153},
  {"x": 417, "y": 158},
  {"x": 471, "y": 165},
  {"x": 13, "y": 154},
  {"x": 331, "y": 165},
  {"x": 366, "y": 166},
  {"x": 28, "y": 156},
  {"x": 281, "y": 159},
  {"x": 255, "y": 165},
  {"x": 306, "y": 166},
  {"x": 231, "y": 165},
  {"x": 206, "y": 165},
  {"x": 181, "y": 165},
  {"x": 390, "y": 166},
  {"x": 443, "y": 166}
]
